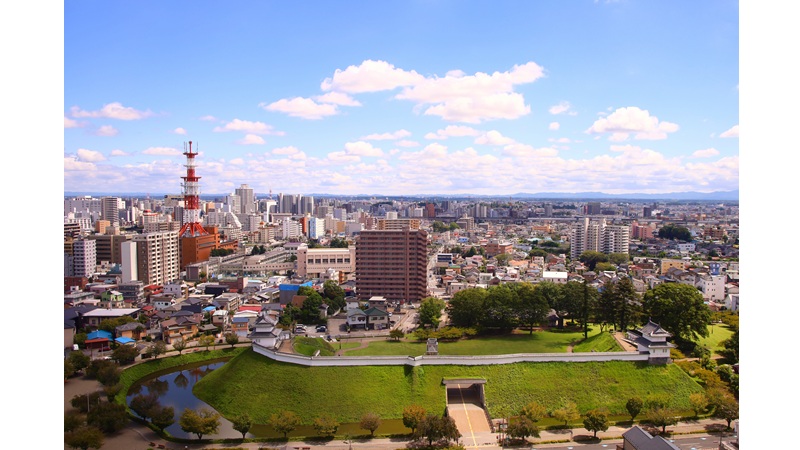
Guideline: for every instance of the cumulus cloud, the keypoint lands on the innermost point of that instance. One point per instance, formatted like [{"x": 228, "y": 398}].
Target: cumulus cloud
[
  {"x": 399, "y": 134},
  {"x": 494, "y": 138},
  {"x": 631, "y": 120},
  {"x": 562, "y": 108},
  {"x": 342, "y": 158},
  {"x": 562, "y": 140},
  {"x": 706, "y": 153},
  {"x": 118, "y": 152},
  {"x": 208, "y": 118},
  {"x": 69, "y": 123},
  {"x": 236, "y": 162},
  {"x": 453, "y": 131},
  {"x": 90, "y": 155},
  {"x": 248, "y": 127},
  {"x": 179, "y": 130},
  {"x": 554, "y": 126},
  {"x": 406, "y": 143},
  {"x": 290, "y": 152},
  {"x": 732, "y": 132},
  {"x": 251, "y": 139},
  {"x": 106, "y": 130},
  {"x": 370, "y": 76},
  {"x": 162, "y": 151},
  {"x": 455, "y": 97},
  {"x": 113, "y": 110},
  {"x": 304, "y": 108},
  {"x": 361, "y": 148},
  {"x": 72, "y": 164},
  {"x": 338, "y": 98}
]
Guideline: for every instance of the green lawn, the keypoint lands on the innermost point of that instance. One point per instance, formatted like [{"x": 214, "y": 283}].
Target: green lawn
[
  {"x": 522, "y": 342},
  {"x": 716, "y": 334},
  {"x": 260, "y": 386},
  {"x": 309, "y": 346},
  {"x": 600, "y": 342}
]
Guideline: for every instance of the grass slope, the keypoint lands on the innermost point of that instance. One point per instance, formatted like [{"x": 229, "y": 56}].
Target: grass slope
[
  {"x": 716, "y": 334},
  {"x": 601, "y": 342},
  {"x": 260, "y": 386}
]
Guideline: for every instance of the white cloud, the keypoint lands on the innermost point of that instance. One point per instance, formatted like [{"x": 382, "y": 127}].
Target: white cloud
[
  {"x": 732, "y": 132},
  {"x": 625, "y": 121},
  {"x": 562, "y": 108},
  {"x": 399, "y": 134},
  {"x": 706, "y": 153},
  {"x": 106, "y": 130},
  {"x": 494, "y": 138},
  {"x": 236, "y": 162},
  {"x": 90, "y": 155},
  {"x": 370, "y": 76},
  {"x": 113, "y": 110},
  {"x": 69, "y": 123},
  {"x": 528, "y": 151},
  {"x": 453, "y": 131},
  {"x": 248, "y": 127},
  {"x": 304, "y": 108},
  {"x": 72, "y": 164},
  {"x": 179, "y": 130},
  {"x": 163, "y": 151},
  {"x": 406, "y": 143},
  {"x": 554, "y": 126},
  {"x": 285, "y": 150},
  {"x": 361, "y": 148},
  {"x": 342, "y": 158},
  {"x": 251, "y": 139},
  {"x": 118, "y": 152},
  {"x": 338, "y": 98},
  {"x": 208, "y": 118},
  {"x": 562, "y": 140}
]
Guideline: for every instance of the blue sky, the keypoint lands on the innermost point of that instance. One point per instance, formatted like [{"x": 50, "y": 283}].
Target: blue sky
[{"x": 417, "y": 97}]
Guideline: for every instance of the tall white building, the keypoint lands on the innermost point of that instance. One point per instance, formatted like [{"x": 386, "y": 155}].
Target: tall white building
[
  {"x": 158, "y": 257},
  {"x": 316, "y": 228},
  {"x": 598, "y": 236},
  {"x": 291, "y": 228},
  {"x": 110, "y": 207},
  {"x": 247, "y": 199},
  {"x": 83, "y": 260}
]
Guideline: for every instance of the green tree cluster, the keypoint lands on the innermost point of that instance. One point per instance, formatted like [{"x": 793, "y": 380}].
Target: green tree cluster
[
  {"x": 199, "y": 422},
  {"x": 672, "y": 231},
  {"x": 430, "y": 311},
  {"x": 679, "y": 309}
]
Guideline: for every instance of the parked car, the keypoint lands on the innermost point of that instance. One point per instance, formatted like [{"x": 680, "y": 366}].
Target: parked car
[{"x": 322, "y": 328}]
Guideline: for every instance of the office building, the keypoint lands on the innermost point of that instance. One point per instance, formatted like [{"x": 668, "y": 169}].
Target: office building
[{"x": 158, "y": 259}]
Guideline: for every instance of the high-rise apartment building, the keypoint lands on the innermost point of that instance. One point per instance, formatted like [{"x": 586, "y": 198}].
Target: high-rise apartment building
[
  {"x": 110, "y": 210},
  {"x": 247, "y": 199},
  {"x": 598, "y": 236},
  {"x": 82, "y": 260},
  {"x": 158, "y": 257},
  {"x": 392, "y": 264}
]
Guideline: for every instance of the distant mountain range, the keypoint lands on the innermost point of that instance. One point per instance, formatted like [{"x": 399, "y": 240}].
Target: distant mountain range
[{"x": 572, "y": 196}]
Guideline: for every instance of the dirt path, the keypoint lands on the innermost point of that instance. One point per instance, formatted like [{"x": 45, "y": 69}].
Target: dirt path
[{"x": 627, "y": 346}]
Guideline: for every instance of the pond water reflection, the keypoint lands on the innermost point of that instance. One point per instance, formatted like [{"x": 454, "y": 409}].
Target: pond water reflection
[{"x": 174, "y": 389}]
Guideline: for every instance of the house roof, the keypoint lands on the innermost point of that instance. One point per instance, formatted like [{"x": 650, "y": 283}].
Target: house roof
[
  {"x": 99, "y": 334},
  {"x": 376, "y": 312},
  {"x": 654, "y": 329},
  {"x": 642, "y": 440},
  {"x": 355, "y": 312},
  {"x": 124, "y": 340}
]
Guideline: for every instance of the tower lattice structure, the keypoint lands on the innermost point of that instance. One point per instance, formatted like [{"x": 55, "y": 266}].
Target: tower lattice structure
[{"x": 191, "y": 197}]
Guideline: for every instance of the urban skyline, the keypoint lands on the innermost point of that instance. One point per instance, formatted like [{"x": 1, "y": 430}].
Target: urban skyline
[{"x": 613, "y": 97}]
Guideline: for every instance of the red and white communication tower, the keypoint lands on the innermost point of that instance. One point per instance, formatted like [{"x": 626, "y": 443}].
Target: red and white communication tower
[{"x": 191, "y": 198}]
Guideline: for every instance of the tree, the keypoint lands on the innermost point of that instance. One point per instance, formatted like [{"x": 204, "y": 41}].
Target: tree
[
  {"x": 727, "y": 408},
  {"x": 284, "y": 422},
  {"x": 79, "y": 360},
  {"x": 465, "y": 309},
  {"x": 533, "y": 309},
  {"x": 731, "y": 346},
  {"x": 591, "y": 258},
  {"x": 534, "y": 411},
  {"x": 73, "y": 420},
  {"x": 661, "y": 417},
  {"x": 179, "y": 345},
  {"x": 626, "y": 302},
  {"x": 396, "y": 334},
  {"x": 334, "y": 295},
  {"x": 595, "y": 421},
  {"x": 570, "y": 303},
  {"x": 370, "y": 422},
  {"x": 501, "y": 306},
  {"x": 699, "y": 402},
  {"x": 434, "y": 427},
  {"x": 672, "y": 231},
  {"x": 162, "y": 417},
  {"x": 108, "y": 374},
  {"x": 108, "y": 417},
  {"x": 84, "y": 438},
  {"x": 606, "y": 307},
  {"x": 144, "y": 405},
  {"x": 69, "y": 369},
  {"x": 112, "y": 391},
  {"x": 125, "y": 354},
  {"x": 242, "y": 423},
  {"x": 618, "y": 258},
  {"x": 202, "y": 422},
  {"x": 523, "y": 427},
  {"x": 430, "y": 311},
  {"x": 567, "y": 413},
  {"x": 634, "y": 407},
  {"x": 679, "y": 309},
  {"x": 412, "y": 416},
  {"x": 158, "y": 349},
  {"x": 85, "y": 402},
  {"x": 326, "y": 425},
  {"x": 231, "y": 339},
  {"x": 206, "y": 341},
  {"x": 605, "y": 267}
]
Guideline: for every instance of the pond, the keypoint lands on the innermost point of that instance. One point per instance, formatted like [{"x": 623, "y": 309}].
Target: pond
[{"x": 174, "y": 388}]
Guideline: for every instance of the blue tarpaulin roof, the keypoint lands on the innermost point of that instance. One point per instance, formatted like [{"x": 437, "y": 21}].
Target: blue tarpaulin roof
[
  {"x": 210, "y": 308},
  {"x": 124, "y": 340},
  {"x": 99, "y": 334}
]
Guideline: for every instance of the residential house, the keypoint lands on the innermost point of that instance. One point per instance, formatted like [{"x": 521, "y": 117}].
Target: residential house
[
  {"x": 637, "y": 438},
  {"x": 356, "y": 318},
  {"x": 377, "y": 319},
  {"x": 94, "y": 317},
  {"x": 131, "y": 330},
  {"x": 240, "y": 325},
  {"x": 181, "y": 327},
  {"x": 111, "y": 299},
  {"x": 162, "y": 301}
]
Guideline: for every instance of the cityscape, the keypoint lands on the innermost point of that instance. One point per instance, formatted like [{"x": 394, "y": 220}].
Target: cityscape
[{"x": 375, "y": 227}]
